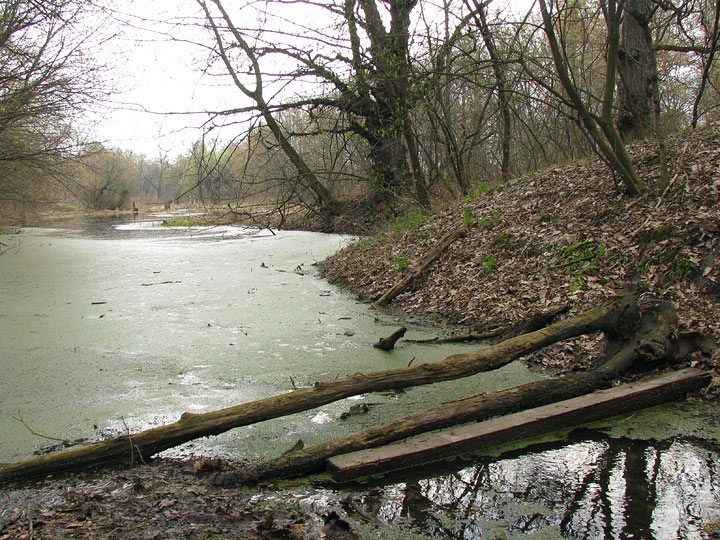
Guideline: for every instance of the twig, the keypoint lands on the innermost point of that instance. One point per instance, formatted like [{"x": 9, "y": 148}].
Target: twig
[
  {"x": 677, "y": 174},
  {"x": 132, "y": 446},
  {"x": 12, "y": 520},
  {"x": 670, "y": 183},
  {"x": 667, "y": 188},
  {"x": 66, "y": 442}
]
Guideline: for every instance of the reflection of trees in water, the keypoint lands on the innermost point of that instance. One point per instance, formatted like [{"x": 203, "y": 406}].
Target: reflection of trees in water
[{"x": 605, "y": 488}]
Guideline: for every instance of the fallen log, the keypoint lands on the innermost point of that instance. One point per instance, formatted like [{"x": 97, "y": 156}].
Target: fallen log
[
  {"x": 535, "y": 322},
  {"x": 530, "y": 423},
  {"x": 617, "y": 317},
  {"x": 388, "y": 343},
  {"x": 651, "y": 341},
  {"x": 421, "y": 265}
]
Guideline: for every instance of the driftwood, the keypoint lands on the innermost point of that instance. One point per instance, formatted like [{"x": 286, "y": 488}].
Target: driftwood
[
  {"x": 651, "y": 342},
  {"x": 421, "y": 265},
  {"x": 618, "y": 317},
  {"x": 388, "y": 343}
]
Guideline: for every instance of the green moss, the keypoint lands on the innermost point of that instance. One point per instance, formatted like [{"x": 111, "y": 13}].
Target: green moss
[
  {"x": 500, "y": 239},
  {"x": 66, "y": 206},
  {"x": 654, "y": 234},
  {"x": 683, "y": 267},
  {"x": 546, "y": 218},
  {"x": 670, "y": 254}
]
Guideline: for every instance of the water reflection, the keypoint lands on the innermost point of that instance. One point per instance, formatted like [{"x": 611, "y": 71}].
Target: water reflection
[
  {"x": 593, "y": 488},
  {"x": 149, "y": 226}
]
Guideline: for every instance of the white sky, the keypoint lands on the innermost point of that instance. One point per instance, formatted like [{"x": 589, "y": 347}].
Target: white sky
[
  {"x": 159, "y": 81},
  {"x": 158, "y": 84}
]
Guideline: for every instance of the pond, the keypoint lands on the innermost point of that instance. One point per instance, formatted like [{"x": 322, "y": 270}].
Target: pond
[{"x": 113, "y": 326}]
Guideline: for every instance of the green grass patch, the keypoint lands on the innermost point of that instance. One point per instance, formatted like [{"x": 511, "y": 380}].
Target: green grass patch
[
  {"x": 581, "y": 257},
  {"x": 488, "y": 221},
  {"x": 401, "y": 264},
  {"x": 488, "y": 264},
  {"x": 177, "y": 223},
  {"x": 411, "y": 220}
]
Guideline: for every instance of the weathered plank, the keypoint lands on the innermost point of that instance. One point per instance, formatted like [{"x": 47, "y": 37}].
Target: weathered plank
[{"x": 440, "y": 445}]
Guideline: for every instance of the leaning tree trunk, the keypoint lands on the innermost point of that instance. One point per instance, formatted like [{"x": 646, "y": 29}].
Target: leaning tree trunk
[{"x": 618, "y": 317}]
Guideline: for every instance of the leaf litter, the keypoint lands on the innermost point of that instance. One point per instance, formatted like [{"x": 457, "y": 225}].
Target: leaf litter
[{"x": 565, "y": 235}]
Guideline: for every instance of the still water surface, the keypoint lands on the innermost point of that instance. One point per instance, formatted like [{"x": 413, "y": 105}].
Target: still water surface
[
  {"x": 115, "y": 326},
  {"x": 109, "y": 326}
]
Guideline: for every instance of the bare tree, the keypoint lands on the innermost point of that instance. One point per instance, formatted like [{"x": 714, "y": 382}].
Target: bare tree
[
  {"x": 503, "y": 89},
  {"x": 600, "y": 127},
  {"x": 228, "y": 36},
  {"x": 45, "y": 81}
]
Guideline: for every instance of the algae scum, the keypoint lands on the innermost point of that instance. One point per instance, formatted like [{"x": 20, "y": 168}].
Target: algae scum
[{"x": 109, "y": 326}]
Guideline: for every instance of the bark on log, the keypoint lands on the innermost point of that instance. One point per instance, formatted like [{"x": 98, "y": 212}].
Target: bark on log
[
  {"x": 420, "y": 267},
  {"x": 657, "y": 327},
  {"x": 617, "y": 316},
  {"x": 535, "y": 322},
  {"x": 388, "y": 343}
]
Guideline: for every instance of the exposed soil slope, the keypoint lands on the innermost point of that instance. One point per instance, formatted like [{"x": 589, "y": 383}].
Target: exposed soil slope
[{"x": 561, "y": 236}]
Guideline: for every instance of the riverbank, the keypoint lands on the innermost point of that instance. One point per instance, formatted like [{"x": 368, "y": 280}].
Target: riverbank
[{"x": 560, "y": 237}]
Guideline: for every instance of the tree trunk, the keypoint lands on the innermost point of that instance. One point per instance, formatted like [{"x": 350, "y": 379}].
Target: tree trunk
[
  {"x": 329, "y": 205},
  {"x": 617, "y": 317},
  {"x": 388, "y": 343},
  {"x": 638, "y": 94},
  {"x": 601, "y": 131},
  {"x": 503, "y": 90}
]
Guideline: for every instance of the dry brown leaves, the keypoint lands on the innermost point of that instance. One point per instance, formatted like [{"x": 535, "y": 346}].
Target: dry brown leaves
[{"x": 564, "y": 235}]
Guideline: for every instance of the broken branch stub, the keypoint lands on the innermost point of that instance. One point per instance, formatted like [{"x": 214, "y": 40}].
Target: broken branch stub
[{"x": 388, "y": 343}]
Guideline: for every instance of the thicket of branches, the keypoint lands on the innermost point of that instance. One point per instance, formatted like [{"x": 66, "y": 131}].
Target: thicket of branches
[
  {"x": 385, "y": 101},
  {"x": 46, "y": 83}
]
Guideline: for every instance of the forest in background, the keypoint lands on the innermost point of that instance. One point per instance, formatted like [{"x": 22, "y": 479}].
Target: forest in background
[{"x": 358, "y": 105}]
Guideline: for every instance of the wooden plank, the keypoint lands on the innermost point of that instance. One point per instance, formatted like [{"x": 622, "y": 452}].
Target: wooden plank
[{"x": 437, "y": 446}]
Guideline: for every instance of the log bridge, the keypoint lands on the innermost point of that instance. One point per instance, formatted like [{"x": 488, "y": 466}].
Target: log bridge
[{"x": 633, "y": 338}]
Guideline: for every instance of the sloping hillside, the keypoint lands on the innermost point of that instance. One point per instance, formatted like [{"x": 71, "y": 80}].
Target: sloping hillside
[{"x": 561, "y": 236}]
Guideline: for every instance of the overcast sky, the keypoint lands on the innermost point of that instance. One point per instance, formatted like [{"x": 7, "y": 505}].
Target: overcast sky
[
  {"x": 159, "y": 79},
  {"x": 157, "y": 82}
]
